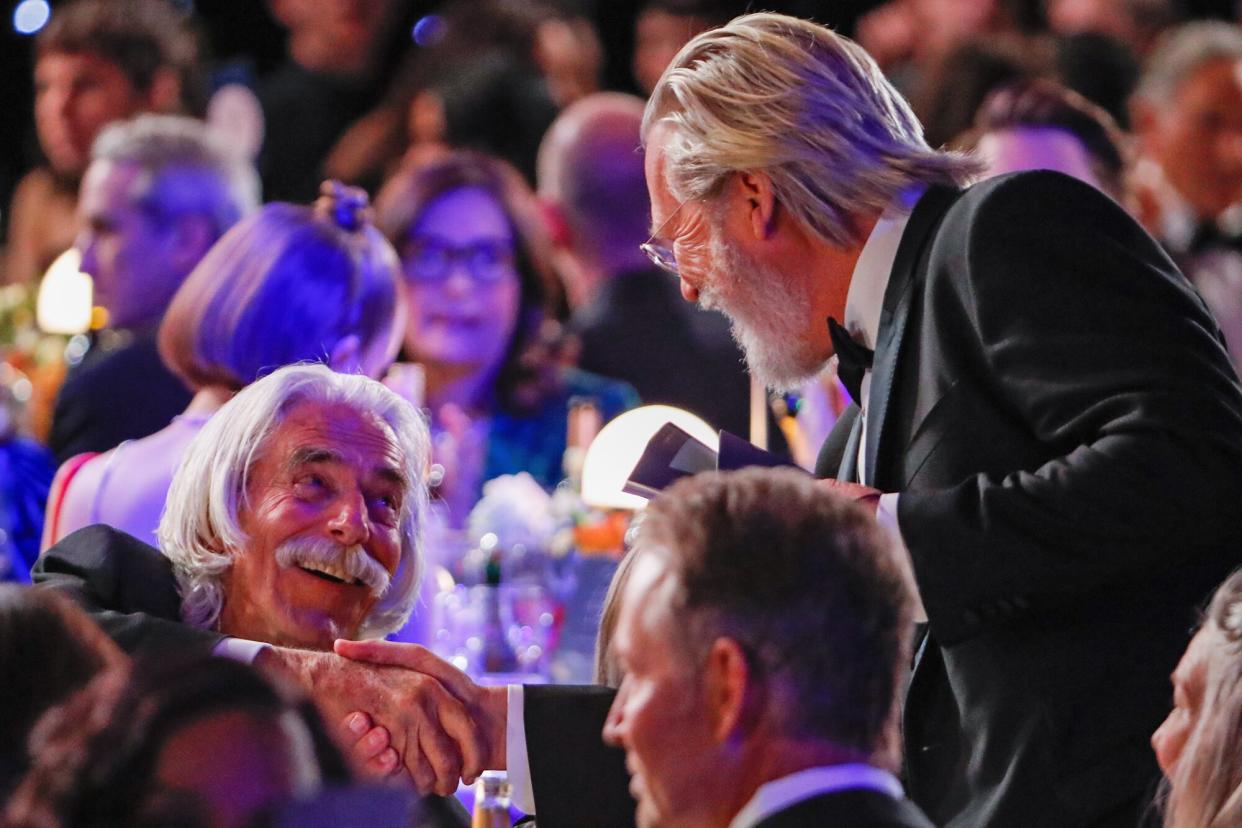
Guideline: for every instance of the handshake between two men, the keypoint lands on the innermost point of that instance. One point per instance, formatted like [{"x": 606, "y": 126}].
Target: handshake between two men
[{"x": 292, "y": 529}]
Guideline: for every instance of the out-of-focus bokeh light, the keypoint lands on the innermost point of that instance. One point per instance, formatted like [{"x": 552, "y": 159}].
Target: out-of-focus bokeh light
[
  {"x": 428, "y": 31},
  {"x": 31, "y": 16},
  {"x": 64, "y": 303}
]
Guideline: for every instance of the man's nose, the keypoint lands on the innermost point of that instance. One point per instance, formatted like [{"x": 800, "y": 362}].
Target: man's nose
[
  {"x": 614, "y": 725},
  {"x": 350, "y": 525},
  {"x": 85, "y": 244}
]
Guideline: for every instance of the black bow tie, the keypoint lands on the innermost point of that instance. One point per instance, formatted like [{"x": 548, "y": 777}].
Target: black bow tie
[{"x": 853, "y": 360}]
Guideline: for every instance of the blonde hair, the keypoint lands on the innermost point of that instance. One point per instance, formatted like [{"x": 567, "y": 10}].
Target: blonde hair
[
  {"x": 199, "y": 530},
  {"x": 1205, "y": 790},
  {"x": 809, "y": 108}
]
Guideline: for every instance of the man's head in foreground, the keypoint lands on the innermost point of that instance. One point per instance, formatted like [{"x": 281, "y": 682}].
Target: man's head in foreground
[
  {"x": 160, "y": 190},
  {"x": 773, "y": 144},
  {"x": 762, "y": 632},
  {"x": 295, "y": 517}
]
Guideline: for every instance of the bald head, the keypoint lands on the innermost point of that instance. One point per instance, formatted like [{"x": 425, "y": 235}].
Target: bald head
[{"x": 591, "y": 169}]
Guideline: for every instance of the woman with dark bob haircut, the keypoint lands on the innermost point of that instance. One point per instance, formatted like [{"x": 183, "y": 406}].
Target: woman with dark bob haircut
[{"x": 475, "y": 254}]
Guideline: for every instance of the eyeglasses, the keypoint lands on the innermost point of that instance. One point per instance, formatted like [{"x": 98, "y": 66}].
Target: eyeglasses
[
  {"x": 430, "y": 260},
  {"x": 659, "y": 250}
]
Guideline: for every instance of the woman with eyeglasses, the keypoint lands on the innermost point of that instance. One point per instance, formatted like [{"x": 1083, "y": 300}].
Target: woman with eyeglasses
[{"x": 481, "y": 292}]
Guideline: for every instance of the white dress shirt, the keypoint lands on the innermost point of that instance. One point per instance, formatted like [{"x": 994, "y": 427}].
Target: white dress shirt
[{"x": 779, "y": 794}]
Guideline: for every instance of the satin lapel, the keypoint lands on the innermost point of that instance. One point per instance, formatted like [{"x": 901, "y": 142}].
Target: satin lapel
[
  {"x": 897, "y": 296},
  {"x": 849, "y": 461}
]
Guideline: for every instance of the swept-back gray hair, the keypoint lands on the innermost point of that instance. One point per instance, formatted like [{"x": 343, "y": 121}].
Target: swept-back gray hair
[
  {"x": 789, "y": 98},
  {"x": 187, "y": 168},
  {"x": 199, "y": 530},
  {"x": 1182, "y": 51}
]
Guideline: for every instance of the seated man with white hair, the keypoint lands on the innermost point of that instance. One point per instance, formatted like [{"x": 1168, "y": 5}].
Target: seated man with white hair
[{"x": 294, "y": 519}]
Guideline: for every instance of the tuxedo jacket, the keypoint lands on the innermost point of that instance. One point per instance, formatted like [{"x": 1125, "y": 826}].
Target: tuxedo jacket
[
  {"x": 1056, "y": 408},
  {"x": 848, "y": 809}
]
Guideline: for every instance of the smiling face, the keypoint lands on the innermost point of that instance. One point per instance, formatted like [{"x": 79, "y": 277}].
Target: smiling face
[
  {"x": 772, "y": 312},
  {"x": 463, "y": 283},
  {"x": 322, "y": 515},
  {"x": 1169, "y": 740},
  {"x": 661, "y": 715}
]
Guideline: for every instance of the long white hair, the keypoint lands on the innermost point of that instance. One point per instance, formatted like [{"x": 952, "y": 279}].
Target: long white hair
[{"x": 199, "y": 530}]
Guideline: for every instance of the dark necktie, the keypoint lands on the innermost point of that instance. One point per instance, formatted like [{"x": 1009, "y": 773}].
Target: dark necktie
[{"x": 853, "y": 360}]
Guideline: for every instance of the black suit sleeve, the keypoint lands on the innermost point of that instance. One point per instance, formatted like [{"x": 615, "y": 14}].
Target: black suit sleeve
[
  {"x": 577, "y": 779},
  {"x": 127, "y": 587},
  {"x": 1082, "y": 331}
]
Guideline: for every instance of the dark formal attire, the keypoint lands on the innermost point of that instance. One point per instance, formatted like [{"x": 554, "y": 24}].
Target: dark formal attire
[
  {"x": 129, "y": 589},
  {"x": 848, "y": 809},
  {"x": 1055, "y": 407},
  {"x": 120, "y": 391}
]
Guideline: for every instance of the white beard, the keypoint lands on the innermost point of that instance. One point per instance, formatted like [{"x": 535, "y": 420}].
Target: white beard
[{"x": 768, "y": 315}]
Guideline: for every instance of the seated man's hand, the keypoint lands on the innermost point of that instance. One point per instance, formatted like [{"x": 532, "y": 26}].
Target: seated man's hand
[
  {"x": 369, "y": 747},
  {"x": 431, "y": 731},
  {"x": 487, "y": 707}
]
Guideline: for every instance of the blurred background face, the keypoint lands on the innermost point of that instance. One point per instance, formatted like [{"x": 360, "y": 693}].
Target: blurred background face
[
  {"x": 126, "y": 251},
  {"x": 658, "y": 37},
  {"x": 1197, "y": 139},
  {"x": 76, "y": 95},
  {"x": 463, "y": 282}
]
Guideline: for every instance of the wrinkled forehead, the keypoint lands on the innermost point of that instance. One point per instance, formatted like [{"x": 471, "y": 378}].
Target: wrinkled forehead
[{"x": 310, "y": 431}]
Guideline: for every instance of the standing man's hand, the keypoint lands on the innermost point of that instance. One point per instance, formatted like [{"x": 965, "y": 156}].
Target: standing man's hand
[
  {"x": 431, "y": 730},
  {"x": 487, "y": 707}
]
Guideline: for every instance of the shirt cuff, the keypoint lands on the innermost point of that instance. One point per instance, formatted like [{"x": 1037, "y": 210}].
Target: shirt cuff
[
  {"x": 521, "y": 789},
  {"x": 239, "y": 649},
  {"x": 886, "y": 516}
]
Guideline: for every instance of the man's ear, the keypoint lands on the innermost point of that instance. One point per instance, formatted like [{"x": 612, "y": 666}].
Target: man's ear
[
  {"x": 730, "y": 690},
  {"x": 165, "y": 92},
  {"x": 759, "y": 202},
  {"x": 193, "y": 235}
]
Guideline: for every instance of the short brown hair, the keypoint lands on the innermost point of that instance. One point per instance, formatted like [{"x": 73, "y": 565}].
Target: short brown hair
[
  {"x": 810, "y": 587},
  {"x": 140, "y": 36}
]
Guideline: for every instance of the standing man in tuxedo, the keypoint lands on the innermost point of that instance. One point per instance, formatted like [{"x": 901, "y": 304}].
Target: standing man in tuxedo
[
  {"x": 1045, "y": 412},
  {"x": 761, "y": 690}
]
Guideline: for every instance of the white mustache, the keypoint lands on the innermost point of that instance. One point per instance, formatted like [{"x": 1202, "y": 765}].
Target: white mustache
[{"x": 353, "y": 561}]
